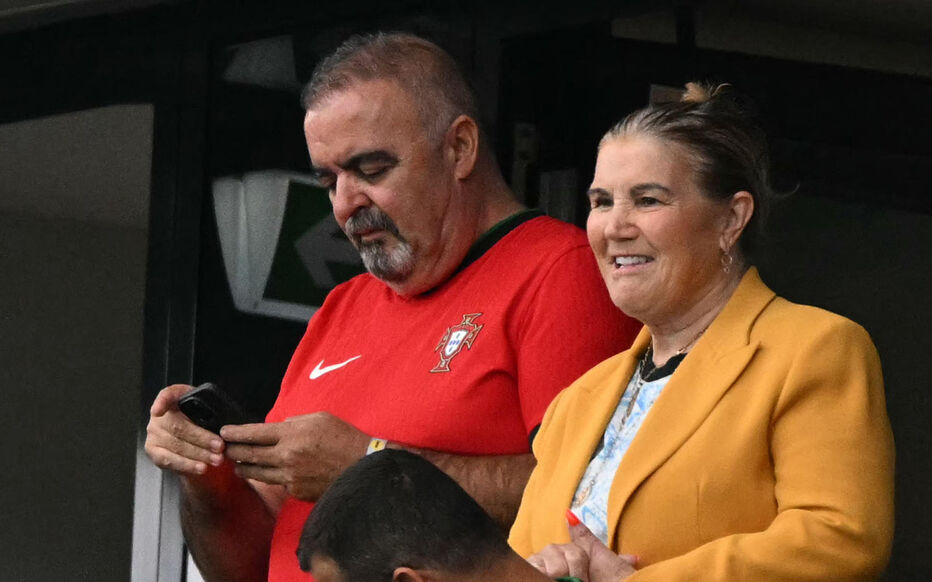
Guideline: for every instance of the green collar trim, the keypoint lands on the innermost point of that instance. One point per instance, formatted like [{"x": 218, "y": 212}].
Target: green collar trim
[{"x": 488, "y": 239}]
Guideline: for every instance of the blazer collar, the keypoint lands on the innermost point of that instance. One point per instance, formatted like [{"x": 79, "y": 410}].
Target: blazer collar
[{"x": 700, "y": 381}]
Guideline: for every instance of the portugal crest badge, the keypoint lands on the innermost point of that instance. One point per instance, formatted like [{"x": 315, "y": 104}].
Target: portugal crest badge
[{"x": 457, "y": 336}]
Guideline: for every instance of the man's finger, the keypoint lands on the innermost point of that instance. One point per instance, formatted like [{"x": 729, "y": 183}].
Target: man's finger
[
  {"x": 253, "y": 454},
  {"x": 304, "y": 416},
  {"x": 167, "y": 398},
  {"x": 180, "y": 427},
  {"x": 252, "y": 434},
  {"x": 176, "y": 431},
  {"x": 270, "y": 475},
  {"x": 166, "y": 459},
  {"x": 191, "y": 451}
]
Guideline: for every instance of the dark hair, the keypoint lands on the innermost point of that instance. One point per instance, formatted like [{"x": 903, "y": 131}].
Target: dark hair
[
  {"x": 392, "y": 509},
  {"x": 424, "y": 70},
  {"x": 725, "y": 147}
]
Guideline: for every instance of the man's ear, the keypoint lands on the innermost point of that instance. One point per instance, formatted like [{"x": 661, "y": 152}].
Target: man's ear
[
  {"x": 463, "y": 144},
  {"x": 405, "y": 574}
]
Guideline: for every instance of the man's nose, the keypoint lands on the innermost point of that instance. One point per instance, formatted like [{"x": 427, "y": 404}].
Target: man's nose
[{"x": 347, "y": 197}]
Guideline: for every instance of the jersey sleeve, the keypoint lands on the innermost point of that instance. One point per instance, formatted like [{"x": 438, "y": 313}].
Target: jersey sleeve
[{"x": 570, "y": 325}]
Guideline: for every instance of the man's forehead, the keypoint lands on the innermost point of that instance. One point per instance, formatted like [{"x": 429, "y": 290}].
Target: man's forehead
[
  {"x": 368, "y": 98},
  {"x": 367, "y": 116}
]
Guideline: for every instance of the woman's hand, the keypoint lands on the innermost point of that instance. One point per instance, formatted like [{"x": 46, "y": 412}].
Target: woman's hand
[
  {"x": 604, "y": 564},
  {"x": 558, "y": 560},
  {"x": 585, "y": 557}
]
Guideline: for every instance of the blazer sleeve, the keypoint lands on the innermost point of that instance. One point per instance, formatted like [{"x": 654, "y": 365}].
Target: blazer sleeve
[
  {"x": 833, "y": 456},
  {"x": 522, "y": 530}
]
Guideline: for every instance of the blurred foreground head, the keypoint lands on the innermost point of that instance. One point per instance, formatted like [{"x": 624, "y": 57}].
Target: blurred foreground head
[{"x": 394, "y": 515}]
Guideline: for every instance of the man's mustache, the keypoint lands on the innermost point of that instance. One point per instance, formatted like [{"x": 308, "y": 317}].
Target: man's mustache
[{"x": 368, "y": 219}]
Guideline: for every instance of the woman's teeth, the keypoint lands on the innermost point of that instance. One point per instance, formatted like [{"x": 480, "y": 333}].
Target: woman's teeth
[{"x": 628, "y": 261}]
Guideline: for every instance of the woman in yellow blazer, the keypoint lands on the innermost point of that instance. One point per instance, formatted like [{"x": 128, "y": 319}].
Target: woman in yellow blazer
[{"x": 741, "y": 437}]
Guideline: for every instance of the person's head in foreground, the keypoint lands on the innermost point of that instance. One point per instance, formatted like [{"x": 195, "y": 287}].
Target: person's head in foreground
[
  {"x": 742, "y": 437},
  {"x": 393, "y": 516},
  {"x": 393, "y": 134}
]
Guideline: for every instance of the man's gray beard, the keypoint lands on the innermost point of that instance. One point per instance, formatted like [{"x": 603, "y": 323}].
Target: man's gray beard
[
  {"x": 392, "y": 264},
  {"x": 388, "y": 265}
]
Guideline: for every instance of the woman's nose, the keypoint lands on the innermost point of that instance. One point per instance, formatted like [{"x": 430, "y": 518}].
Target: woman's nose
[{"x": 619, "y": 223}]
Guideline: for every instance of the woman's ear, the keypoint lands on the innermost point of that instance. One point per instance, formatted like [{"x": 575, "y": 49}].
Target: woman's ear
[
  {"x": 463, "y": 145},
  {"x": 740, "y": 210}
]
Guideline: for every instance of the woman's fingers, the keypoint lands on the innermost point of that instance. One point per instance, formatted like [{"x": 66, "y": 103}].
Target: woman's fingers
[
  {"x": 603, "y": 565},
  {"x": 558, "y": 560}
]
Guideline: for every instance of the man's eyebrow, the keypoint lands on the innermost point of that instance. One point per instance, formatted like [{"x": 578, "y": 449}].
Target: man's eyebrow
[
  {"x": 356, "y": 160},
  {"x": 374, "y": 156}
]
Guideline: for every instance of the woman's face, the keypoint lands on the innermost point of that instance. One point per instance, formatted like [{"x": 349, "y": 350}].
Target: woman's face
[{"x": 657, "y": 239}]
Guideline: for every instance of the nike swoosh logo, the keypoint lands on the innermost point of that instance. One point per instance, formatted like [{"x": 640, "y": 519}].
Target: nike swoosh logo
[{"x": 317, "y": 372}]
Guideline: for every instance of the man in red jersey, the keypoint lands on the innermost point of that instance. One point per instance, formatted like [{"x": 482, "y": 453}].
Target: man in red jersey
[{"x": 474, "y": 314}]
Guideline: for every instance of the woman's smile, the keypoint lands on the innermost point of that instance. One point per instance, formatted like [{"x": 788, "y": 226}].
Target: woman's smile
[{"x": 631, "y": 263}]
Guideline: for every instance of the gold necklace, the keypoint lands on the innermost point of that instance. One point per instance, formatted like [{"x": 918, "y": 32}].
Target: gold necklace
[
  {"x": 639, "y": 381},
  {"x": 696, "y": 337}
]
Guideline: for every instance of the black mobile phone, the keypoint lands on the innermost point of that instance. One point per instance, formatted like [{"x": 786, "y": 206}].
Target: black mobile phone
[{"x": 210, "y": 407}]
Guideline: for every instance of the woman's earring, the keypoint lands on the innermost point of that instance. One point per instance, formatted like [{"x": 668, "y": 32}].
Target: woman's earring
[{"x": 727, "y": 260}]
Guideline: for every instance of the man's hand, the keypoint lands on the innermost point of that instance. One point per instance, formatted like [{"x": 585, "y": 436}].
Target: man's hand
[
  {"x": 304, "y": 453},
  {"x": 585, "y": 557},
  {"x": 174, "y": 442}
]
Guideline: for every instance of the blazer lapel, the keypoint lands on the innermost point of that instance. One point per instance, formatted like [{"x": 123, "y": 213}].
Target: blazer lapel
[
  {"x": 699, "y": 382},
  {"x": 599, "y": 403}
]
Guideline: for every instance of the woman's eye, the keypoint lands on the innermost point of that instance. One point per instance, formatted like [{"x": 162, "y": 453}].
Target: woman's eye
[
  {"x": 600, "y": 202},
  {"x": 647, "y": 201}
]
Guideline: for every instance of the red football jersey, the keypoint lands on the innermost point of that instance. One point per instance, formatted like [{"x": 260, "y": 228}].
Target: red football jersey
[{"x": 467, "y": 368}]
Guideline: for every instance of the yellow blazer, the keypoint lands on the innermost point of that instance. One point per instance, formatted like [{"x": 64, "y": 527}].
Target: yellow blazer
[{"x": 768, "y": 456}]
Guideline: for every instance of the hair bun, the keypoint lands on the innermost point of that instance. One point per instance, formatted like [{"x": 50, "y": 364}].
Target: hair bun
[{"x": 701, "y": 92}]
